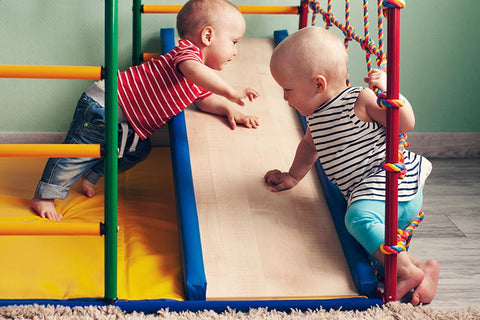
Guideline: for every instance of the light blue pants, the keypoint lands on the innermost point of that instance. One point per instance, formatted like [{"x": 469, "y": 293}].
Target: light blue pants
[{"x": 365, "y": 220}]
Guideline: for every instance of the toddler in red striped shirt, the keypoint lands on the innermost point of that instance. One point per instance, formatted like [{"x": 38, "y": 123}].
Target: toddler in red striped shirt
[{"x": 149, "y": 95}]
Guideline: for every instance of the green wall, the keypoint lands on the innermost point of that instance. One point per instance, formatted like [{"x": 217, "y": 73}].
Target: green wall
[{"x": 439, "y": 52}]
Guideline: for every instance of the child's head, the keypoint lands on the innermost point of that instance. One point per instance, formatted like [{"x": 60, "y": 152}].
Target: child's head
[
  {"x": 311, "y": 66},
  {"x": 215, "y": 26}
]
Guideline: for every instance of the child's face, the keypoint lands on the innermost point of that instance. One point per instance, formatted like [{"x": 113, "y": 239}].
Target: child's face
[
  {"x": 223, "y": 46},
  {"x": 299, "y": 91}
]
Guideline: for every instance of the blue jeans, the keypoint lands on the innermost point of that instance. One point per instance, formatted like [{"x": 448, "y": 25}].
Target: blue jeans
[{"x": 87, "y": 127}]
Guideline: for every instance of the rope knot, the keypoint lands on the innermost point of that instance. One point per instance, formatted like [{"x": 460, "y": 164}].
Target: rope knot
[
  {"x": 349, "y": 32},
  {"x": 394, "y": 4},
  {"x": 384, "y": 103},
  {"x": 387, "y": 4},
  {"x": 395, "y": 167},
  {"x": 367, "y": 45}
]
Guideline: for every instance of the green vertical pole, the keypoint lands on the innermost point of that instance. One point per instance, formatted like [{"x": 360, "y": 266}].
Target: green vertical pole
[
  {"x": 111, "y": 143},
  {"x": 137, "y": 32}
]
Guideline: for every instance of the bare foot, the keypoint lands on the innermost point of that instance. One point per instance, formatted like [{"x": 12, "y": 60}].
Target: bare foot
[
  {"x": 45, "y": 209},
  {"x": 425, "y": 292},
  {"x": 88, "y": 188},
  {"x": 409, "y": 275}
]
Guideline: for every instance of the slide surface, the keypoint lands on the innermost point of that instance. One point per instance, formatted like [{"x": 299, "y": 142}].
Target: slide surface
[{"x": 258, "y": 244}]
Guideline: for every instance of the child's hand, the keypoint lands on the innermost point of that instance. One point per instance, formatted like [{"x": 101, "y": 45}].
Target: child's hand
[
  {"x": 234, "y": 117},
  {"x": 377, "y": 79},
  {"x": 249, "y": 93},
  {"x": 280, "y": 180}
]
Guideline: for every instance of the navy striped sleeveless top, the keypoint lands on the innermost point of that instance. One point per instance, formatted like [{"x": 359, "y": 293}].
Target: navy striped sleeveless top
[{"x": 351, "y": 151}]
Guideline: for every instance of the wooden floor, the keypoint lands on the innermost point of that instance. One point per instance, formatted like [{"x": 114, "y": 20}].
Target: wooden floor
[{"x": 450, "y": 232}]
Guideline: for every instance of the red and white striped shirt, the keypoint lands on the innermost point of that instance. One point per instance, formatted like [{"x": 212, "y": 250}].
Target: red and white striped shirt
[{"x": 152, "y": 93}]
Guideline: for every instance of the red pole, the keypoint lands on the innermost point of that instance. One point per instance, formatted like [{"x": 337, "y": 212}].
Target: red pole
[
  {"x": 303, "y": 11},
  {"x": 391, "y": 201}
]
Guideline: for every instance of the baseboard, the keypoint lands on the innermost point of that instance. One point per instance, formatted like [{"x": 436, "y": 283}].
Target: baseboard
[
  {"x": 429, "y": 144},
  {"x": 159, "y": 138},
  {"x": 32, "y": 137},
  {"x": 445, "y": 144}
]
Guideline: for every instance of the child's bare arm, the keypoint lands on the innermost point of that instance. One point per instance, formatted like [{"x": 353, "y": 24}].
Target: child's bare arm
[
  {"x": 305, "y": 157},
  {"x": 217, "y": 105},
  {"x": 367, "y": 109},
  {"x": 208, "y": 79}
]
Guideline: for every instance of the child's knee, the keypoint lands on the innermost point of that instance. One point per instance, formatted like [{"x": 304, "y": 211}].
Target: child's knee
[
  {"x": 350, "y": 219},
  {"x": 364, "y": 222},
  {"x": 358, "y": 214}
]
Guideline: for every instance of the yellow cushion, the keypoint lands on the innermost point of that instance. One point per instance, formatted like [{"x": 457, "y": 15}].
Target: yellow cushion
[{"x": 64, "y": 267}]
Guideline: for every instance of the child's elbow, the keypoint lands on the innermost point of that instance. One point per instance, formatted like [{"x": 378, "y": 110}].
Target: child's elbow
[
  {"x": 406, "y": 118},
  {"x": 407, "y": 126}
]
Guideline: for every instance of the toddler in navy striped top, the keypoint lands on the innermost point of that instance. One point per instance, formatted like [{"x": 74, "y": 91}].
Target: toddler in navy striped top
[{"x": 346, "y": 132}]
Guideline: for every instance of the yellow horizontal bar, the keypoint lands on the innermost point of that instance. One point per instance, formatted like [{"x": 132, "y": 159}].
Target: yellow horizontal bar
[
  {"x": 158, "y": 8},
  {"x": 56, "y": 228},
  {"x": 51, "y": 72},
  {"x": 50, "y": 150},
  {"x": 148, "y": 56}
]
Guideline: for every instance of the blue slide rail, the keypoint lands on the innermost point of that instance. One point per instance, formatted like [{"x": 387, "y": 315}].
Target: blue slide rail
[{"x": 195, "y": 283}]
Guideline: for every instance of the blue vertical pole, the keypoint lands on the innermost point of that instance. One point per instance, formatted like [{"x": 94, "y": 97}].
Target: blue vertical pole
[{"x": 137, "y": 32}]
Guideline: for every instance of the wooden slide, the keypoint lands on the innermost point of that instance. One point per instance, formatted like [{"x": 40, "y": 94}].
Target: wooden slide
[{"x": 258, "y": 244}]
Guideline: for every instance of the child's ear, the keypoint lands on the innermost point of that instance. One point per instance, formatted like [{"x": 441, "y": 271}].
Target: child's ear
[
  {"x": 207, "y": 35},
  {"x": 320, "y": 83}
]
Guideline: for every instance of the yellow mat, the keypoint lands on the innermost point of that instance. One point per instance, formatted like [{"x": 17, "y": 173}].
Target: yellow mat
[{"x": 65, "y": 267}]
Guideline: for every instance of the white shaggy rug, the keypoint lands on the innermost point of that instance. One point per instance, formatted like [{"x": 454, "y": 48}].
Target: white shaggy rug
[{"x": 390, "y": 311}]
